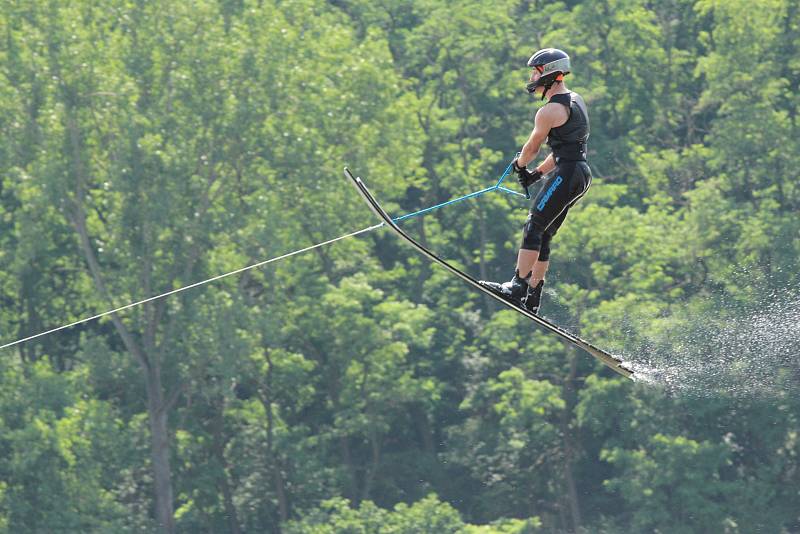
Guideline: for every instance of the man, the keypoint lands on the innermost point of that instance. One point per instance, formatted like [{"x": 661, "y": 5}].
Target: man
[{"x": 564, "y": 123}]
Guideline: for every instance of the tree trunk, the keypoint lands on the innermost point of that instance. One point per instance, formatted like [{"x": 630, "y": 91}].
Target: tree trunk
[
  {"x": 157, "y": 406},
  {"x": 347, "y": 458},
  {"x": 219, "y": 451},
  {"x": 273, "y": 459},
  {"x": 372, "y": 471},
  {"x": 280, "y": 490},
  {"x": 344, "y": 443},
  {"x": 424, "y": 430},
  {"x": 159, "y": 455}
]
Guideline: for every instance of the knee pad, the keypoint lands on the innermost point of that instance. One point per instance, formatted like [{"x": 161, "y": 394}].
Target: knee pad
[{"x": 532, "y": 235}]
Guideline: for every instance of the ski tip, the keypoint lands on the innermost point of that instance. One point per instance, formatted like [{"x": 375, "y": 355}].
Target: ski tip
[
  {"x": 626, "y": 370},
  {"x": 350, "y": 175}
]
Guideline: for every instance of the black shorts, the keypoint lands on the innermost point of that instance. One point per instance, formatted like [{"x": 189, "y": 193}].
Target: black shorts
[{"x": 562, "y": 188}]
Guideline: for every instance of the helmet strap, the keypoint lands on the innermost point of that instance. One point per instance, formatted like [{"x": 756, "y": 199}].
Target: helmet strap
[{"x": 548, "y": 86}]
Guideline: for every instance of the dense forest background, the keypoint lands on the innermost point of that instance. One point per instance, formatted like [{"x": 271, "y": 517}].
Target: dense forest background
[{"x": 147, "y": 145}]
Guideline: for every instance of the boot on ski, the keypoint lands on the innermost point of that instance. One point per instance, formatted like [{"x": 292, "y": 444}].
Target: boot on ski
[
  {"x": 533, "y": 298},
  {"x": 513, "y": 291}
]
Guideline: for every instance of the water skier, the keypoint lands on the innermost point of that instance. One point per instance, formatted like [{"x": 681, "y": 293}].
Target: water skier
[{"x": 564, "y": 123}]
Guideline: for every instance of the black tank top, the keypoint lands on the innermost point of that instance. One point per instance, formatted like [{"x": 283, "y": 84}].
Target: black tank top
[{"x": 568, "y": 141}]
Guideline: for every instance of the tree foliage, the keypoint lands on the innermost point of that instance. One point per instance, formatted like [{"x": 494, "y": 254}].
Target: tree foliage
[{"x": 356, "y": 388}]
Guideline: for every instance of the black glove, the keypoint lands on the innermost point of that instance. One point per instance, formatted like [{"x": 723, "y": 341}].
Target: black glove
[{"x": 524, "y": 176}]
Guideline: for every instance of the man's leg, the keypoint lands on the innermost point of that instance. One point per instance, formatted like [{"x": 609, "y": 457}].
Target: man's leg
[
  {"x": 533, "y": 297},
  {"x": 539, "y": 272},
  {"x": 526, "y": 260},
  {"x": 543, "y": 257},
  {"x": 551, "y": 200}
]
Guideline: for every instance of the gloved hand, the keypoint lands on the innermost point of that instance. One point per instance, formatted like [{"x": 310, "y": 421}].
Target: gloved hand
[{"x": 526, "y": 177}]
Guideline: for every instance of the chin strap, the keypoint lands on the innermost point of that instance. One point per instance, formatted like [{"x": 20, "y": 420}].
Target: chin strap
[{"x": 550, "y": 85}]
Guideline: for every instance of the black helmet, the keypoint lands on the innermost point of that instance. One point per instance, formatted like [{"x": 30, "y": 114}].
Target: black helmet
[{"x": 552, "y": 64}]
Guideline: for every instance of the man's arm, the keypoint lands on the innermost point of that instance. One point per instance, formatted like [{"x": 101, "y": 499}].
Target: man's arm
[
  {"x": 545, "y": 118},
  {"x": 547, "y": 165}
]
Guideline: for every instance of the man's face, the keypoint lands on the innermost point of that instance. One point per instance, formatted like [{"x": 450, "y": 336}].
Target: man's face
[{"x": 535, "y": 75}]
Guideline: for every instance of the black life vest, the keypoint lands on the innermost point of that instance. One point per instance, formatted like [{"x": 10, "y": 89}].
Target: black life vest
[{"x": 568, "y": 141}]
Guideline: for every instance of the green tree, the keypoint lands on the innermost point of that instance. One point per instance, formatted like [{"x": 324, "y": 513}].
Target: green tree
[
  {"x": 428, "y": 515},
  {"x": 674, "y": 482},
  {"x": 60, "y": 454}
]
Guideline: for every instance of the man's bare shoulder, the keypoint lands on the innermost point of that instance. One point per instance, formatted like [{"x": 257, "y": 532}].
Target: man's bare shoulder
[{"x": 552, "y": 114}]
